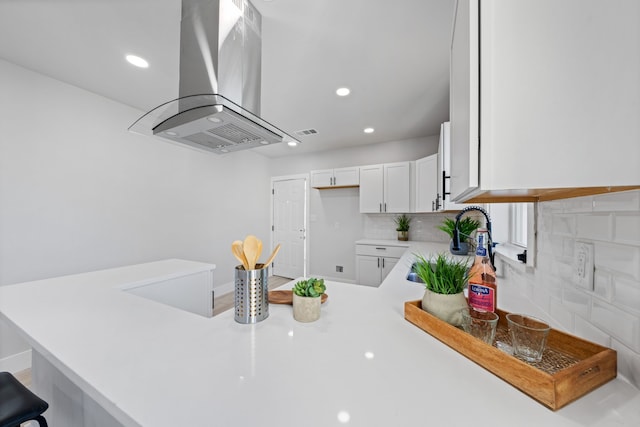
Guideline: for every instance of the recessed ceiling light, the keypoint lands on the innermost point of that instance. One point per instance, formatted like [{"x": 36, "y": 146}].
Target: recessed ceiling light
[
  {"x": 263, "y": 142},
  {"x": 292, "y": 143},
  {"x": 214, "y": 119},
  {"x": 343, "y": 91},
  {"x": 137, "y": 61},
  {"x": 171, "y": 133},
  {"x": 368, "y": 130}
]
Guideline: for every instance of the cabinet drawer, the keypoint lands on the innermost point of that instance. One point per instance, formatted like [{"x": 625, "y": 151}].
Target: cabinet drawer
[{"x": 381, "y": 250}]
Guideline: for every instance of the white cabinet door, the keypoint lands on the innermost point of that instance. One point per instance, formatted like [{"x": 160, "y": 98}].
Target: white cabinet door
[
  {"x": 368, "y": 269},
  {"x": 397, "y": 187},
  {"x": 346, "y": 177},
  {"x": 321, "y": 178},
  {"x": 464, "y": 99},
  {"x": 387, "y": 266},
  {"x": 426, "y": 183},
  {"x": 371, "y": 187},
  {"x": 444, "y": 172},
  {"x": 537, "y": 132}
]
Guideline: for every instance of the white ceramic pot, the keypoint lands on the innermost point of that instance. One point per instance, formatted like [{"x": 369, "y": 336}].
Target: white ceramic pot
[
  {"x": 306, "y": 309},
  {"x": 444, "y": 307}
]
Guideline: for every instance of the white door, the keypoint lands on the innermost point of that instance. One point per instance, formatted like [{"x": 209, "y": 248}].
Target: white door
[{"x": 289, "y": 226}]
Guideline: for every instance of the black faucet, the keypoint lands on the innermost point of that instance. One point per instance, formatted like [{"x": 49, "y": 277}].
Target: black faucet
[{"x": 456, "y": 236}]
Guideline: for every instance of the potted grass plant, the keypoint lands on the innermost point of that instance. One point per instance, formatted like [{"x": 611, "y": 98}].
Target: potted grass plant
[
  {"x": 466, "y": 228},
  {"x": 444, "y": 280},
  {"x": 402, "y": 226},
  {"x": 307, "y": 297}
]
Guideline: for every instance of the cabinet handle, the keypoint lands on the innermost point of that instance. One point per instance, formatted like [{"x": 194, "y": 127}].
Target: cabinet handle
[
  {"x": 334, "y": 180},
  {"x": 378, "y": 262},
  {"x": 382, "y": 249},
  {"x": 382, "y": 262},
  {"x": 433, "y": 205},
  {"x": 444, "y": 185},
  {"x": 380, "y": 207},
  {"x": 385, "y": 206}
]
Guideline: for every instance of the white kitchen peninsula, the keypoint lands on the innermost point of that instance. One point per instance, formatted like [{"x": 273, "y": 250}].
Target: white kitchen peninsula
[{"x": 149, "y": 364}]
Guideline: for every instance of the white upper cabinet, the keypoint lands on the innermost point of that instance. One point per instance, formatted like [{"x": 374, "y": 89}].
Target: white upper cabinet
[
  {"x": 443, "y": 201},
  {"x": 426, "y": 197},
  {"x": 545, "y": 99},
  {"x": 386, "y": 188},
  {"x": 335, "y": 178}
]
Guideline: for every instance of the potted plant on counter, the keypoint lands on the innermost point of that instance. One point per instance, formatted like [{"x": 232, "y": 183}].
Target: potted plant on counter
[
  {"x": 466, "y": 228},
  {"x": 402, "y": 226},
  {"x": 307, "y": 297},
  {"x": 444, "y": 280}
]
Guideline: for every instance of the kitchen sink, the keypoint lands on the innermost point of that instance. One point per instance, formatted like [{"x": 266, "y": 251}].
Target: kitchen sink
[{"x": 412, "y": 276}]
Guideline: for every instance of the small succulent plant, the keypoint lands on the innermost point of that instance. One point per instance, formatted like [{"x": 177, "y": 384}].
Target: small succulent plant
[
  {"x": 402, "y": 222},
  {"x": 310, "y": 288}
]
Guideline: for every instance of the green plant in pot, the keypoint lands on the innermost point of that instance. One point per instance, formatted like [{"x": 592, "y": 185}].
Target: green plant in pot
[
  {"x": 307, "y": 297},
  {"x": 402, "y": 226},
  {"x": 466, "y": 228},
  {"x": 444, "y": 279}
]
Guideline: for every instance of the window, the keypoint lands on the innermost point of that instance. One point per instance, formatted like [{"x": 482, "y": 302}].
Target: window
[{"x": 513, "y": 229}]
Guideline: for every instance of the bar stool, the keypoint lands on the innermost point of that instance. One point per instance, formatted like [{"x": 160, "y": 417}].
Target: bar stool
[{"x": 18, "y": 404}]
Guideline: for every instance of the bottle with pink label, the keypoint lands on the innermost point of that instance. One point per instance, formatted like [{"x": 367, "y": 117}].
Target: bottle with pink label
[{"x": 482, "y": 290}]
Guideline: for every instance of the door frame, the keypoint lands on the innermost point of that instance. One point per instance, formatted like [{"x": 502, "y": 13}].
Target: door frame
[{"x": 306, "y": 178}]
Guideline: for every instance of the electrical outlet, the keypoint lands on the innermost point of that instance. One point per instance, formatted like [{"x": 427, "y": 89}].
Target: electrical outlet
[
  {"x": 338, "y": 268},
  {"x": 583, "y": 265}
]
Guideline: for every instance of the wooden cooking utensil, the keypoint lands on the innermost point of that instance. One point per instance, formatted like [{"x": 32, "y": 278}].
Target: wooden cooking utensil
[
  {"x": 251, "y": 247},
  {"x": 272, "y": 256},
  {"x": 238, "y": 252}
]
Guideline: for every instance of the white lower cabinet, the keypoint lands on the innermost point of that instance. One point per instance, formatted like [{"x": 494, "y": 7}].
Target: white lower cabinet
[{"x": 374, "y": 262}]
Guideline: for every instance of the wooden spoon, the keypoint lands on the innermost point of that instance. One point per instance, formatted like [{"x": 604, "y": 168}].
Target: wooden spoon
[
  {"x": 251, "y": 247},
  {"x": 272, "y": 256},
  {"x": 238, "y": 252}
]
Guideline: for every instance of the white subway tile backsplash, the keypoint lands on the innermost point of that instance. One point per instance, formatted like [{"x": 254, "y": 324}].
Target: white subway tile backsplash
[
  {"x": 628, "y": 362},
  {"x": 627, "y": 229},
  {"x": 564, "y": 225},
  {"x": 602, "y": 285},
  {"x": 560, "y": 314},
  {"x": 619, "y": 258},
  {"x": 589, "y": 332},
  {"x": 627, "y": 293},
  {"x": 620, "y": 324},
  {"x": 579, "y": 204},
  {"x": 594, "y": 227},
  {"x": 615, "y": 202},
  {"x": 610, "y": 314},
  {"x": 576, "y": 301}
]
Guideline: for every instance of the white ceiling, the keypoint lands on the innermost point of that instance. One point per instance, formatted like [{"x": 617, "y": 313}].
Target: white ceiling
[{"x": 394, "y": 55}]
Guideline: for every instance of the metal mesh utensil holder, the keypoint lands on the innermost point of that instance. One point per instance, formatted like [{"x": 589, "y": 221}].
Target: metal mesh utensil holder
[{"x": 251, "y": 295}]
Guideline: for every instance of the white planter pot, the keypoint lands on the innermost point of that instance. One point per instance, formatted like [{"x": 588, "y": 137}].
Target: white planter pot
[
  {"x": 306, "y": 309},
  {"x": 444, "y": 307}
]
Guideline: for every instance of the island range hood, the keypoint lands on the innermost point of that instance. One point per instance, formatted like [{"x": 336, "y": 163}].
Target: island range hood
[{"x": 218, "y": 106}]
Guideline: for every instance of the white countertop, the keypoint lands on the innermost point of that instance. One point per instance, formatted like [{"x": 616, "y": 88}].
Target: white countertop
[{"x": 161, "y": 366}]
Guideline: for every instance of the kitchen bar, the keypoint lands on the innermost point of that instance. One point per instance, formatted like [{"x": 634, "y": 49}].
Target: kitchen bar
[{"x": 110, "y": 357}]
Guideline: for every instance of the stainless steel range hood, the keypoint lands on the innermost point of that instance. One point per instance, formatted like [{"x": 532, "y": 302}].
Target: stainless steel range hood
[{"x": 220, "y": 79}]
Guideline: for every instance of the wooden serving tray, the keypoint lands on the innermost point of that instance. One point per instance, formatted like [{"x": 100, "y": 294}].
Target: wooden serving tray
[
  {"x": 286, "y": 297},
  {"x": 570, "y": 368}
]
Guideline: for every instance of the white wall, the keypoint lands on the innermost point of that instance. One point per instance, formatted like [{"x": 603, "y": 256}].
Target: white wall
[
  {"x": 610, "y": 313},
  {"x": 78, "y": 192},
  {"x": 335, "y": 222}
]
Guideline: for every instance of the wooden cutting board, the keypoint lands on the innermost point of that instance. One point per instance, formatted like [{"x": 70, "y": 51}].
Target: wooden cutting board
[{"x": 286, "y": 297}]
